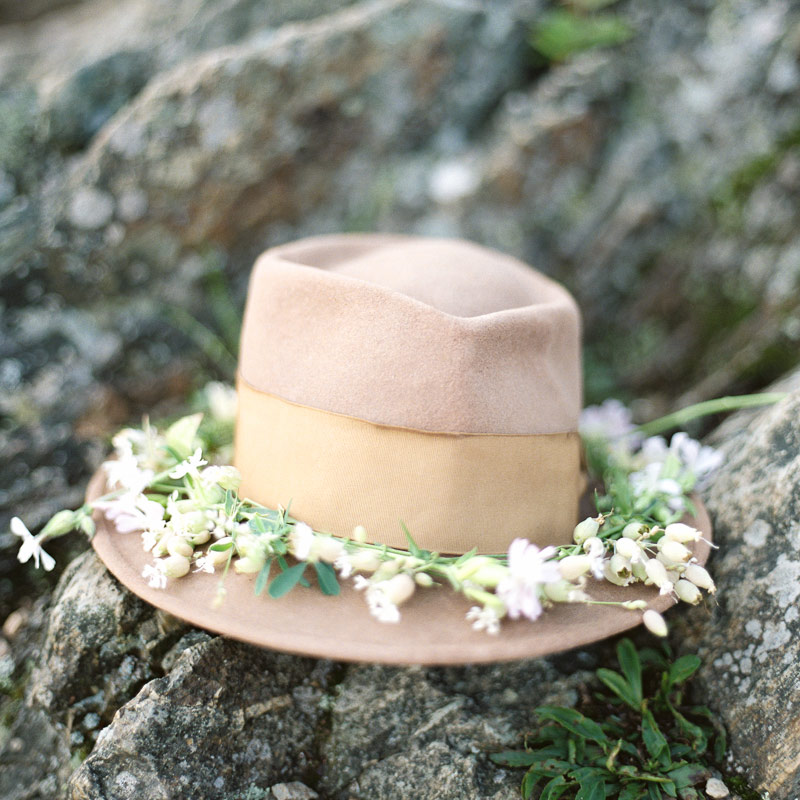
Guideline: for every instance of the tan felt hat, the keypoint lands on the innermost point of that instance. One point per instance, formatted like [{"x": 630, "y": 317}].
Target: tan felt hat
[{"x": 393, "y": 379}]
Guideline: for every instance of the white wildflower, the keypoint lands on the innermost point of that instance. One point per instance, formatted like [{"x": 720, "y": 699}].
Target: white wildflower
[
  {"x": 674, "y": 551},
  {"x": 227, "y": 477},
  {"x": 596, "y": 550},
  {"x": 697, "y": 458},
  {"x": 384, "y": 597},
  {"x": 221, "y": 400},
  {"x": 484, "y": 619},
  {"x": 205, "y": 563},
  {"x": 155, "y": 575},
  {"x": 529, "y": 569},
  {"x": 344, "y": 566},
  {"x": 126, "y": 473},
  {"x": 611, "y": 420},
  {"x": 650, "y": 479},
  {"x": 301, "y": 540},
  {"x": 134, "y": 512},
  {"x": 657, "y": 574},
  {"x": 30, "y": 547},
  {"x": 190, "y": 466}
]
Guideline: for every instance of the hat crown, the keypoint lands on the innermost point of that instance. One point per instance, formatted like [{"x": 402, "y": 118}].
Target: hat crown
[{"x": 435, "y": 335}]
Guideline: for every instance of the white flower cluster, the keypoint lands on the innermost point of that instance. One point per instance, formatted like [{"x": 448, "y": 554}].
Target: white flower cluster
[{"x": 190, "y": 517}]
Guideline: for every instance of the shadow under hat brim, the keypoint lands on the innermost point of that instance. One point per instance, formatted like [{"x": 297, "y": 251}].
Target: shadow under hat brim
[{"x": 432, "y": 629}]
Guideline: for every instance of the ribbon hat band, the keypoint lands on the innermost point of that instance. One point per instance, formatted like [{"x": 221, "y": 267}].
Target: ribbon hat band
[{"x": 453, "y": 491}]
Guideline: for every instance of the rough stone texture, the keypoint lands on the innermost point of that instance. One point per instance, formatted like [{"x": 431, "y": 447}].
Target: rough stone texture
[
  {"x": 750, "y": 643},
  {"x": 148, "y": 708}
]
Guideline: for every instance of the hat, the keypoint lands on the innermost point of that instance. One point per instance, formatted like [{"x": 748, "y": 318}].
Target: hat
[{"x": 403, "y": 385}]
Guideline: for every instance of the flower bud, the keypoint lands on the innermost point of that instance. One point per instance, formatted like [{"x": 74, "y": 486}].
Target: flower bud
[
  {"x": 387, "y": 569},
  {"x": 656, "y": 573},
  {"x": 360, "y": 534},
  {"x": 635, "y": 605},
  {"x": 250, "y": 564},
  {"x": 201, "y": 537},
  {"x": 638, "y": 568},
  {"x": 688, "y": 592},
  {"x": 594, "y": 546},
  {"x": 634, "y": 530},
  {"x": 572, "y": 567},
  {"x": 674, "y": 551},
  {"x": 365, "y": 561},
  {"x": 585, "y": 530},
  {"x": 178, "y": 546},
  {"x": 628, "y": 549},
  {"x": 226, "y": 477},
  {"x": 699, "y": 577},
  {"x": 327, "y": 548},
  {"x": 60, "y": 523},
  {"x": 654, "y": 622},
  {"x": 176, "y": 566},
  {"x": 250, "y": 546},
  {"x": 618, "y": 570},
  {"x": 219, "y": 557},
  {"x": 160, "y": 547},
  {"x": 399, "y": 588},
  {"x": 471, "y": 566},
  {"x": 564, "y": 592},
  {"x": 678, "y": 532},
  {"x": 423, "y": 579}
]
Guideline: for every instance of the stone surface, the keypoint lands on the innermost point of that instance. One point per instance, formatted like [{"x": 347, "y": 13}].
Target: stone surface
[{"x": 750, "y": 643}]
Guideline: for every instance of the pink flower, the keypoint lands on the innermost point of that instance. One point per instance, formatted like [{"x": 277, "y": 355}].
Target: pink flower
[{"x": 530, "y": 569}]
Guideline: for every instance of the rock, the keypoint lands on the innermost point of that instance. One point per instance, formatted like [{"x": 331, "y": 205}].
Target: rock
[
  {"x": 227, "y": 717},
  {"x": 716, "y": 788},
  {"x": 750, "y": 642},
  {"x": 293, "y": 791}
]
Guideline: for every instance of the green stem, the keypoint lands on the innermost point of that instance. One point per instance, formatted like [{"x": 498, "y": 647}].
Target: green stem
[{"x": 722, "y": 404}]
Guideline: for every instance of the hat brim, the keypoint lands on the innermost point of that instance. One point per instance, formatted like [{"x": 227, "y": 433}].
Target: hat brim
[{"x": 432, "y": 629}]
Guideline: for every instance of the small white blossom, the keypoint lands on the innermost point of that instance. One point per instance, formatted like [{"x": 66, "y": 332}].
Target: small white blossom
[
  {"x": 484, "y": 619},
  {"x": 697, "y": 458},
  {"x": 649, "y": 480},
  {"x": 301, "y": 540},
  {"x": 126, "y": 473},
  {"x": 204, "y": 564},
  {"x": 344, "y": 566},
  {"x": 221, "y": 400},
  {"x": 227, "y": 477},
  {"x": 529, "y": 569},
  {"x": 190, "y": 466},
  {"x": 611, "y": 420},
  {"x": 134, "y": 512},
  {"x": 596, "y": 550},
  {"x": 30, "y": 547},
  {"x": 155, "y": 575}
]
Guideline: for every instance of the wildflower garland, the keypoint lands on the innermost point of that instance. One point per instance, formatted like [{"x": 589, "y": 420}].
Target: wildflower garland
[{"x": 175, "y": 488}]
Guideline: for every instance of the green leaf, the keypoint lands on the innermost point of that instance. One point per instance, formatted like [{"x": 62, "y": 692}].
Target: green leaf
[
  {"x": 413, "y": 547},
  {"x": 529, "y": 784},
  {"x": 631, "y": 667},
  {"x": 287, "y": 580},
  {"x": 262, "y": 578},
  {"x": 181, "y": 435},
  {"x": 575, "y": 722},
  {"x": 257, "y": 524},
  {"x": 688, "y": 775},
  {"x": 654, "y": 740},
  {"x": 669, "y": 788},
  {"x": 619, "y": 686},
  {"x": 284, "y": 567},
  {"x": 653, "y": 792},
  {"x": 592, "y": 785},
  {"x": 693, "y": 732},
  {"x": 326, "y": 576},
  {"x": 632, "y": 791},
  {"x": 683, "y": 669},
  {"x": 230, "y": 502},
  {"x": 221, "y": 548},
  {"x": 554, "y": 788}
]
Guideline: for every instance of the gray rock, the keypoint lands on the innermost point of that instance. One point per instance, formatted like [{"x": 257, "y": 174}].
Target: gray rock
[
  {"x": 750, "y": 643},
  {"x": 227, "y": 717},
  {"x": 293, "y": 791}
]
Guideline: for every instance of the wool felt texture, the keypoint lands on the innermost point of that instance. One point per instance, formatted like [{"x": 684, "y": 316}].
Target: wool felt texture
[
  {"x": 452, "y": 491},
  {"x": 433, "y": 334},
  {"x": 432, "y": 629}
]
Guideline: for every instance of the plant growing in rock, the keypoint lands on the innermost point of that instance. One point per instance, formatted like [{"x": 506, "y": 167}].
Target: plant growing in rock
[{"x": 637, "y": 740}]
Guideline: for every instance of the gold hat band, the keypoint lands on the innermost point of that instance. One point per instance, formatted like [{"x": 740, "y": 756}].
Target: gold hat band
[{"x": 453, "y": 491}]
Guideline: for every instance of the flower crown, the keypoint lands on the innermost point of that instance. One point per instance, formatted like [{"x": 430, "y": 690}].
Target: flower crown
[{"x": 173, "y": 485}]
